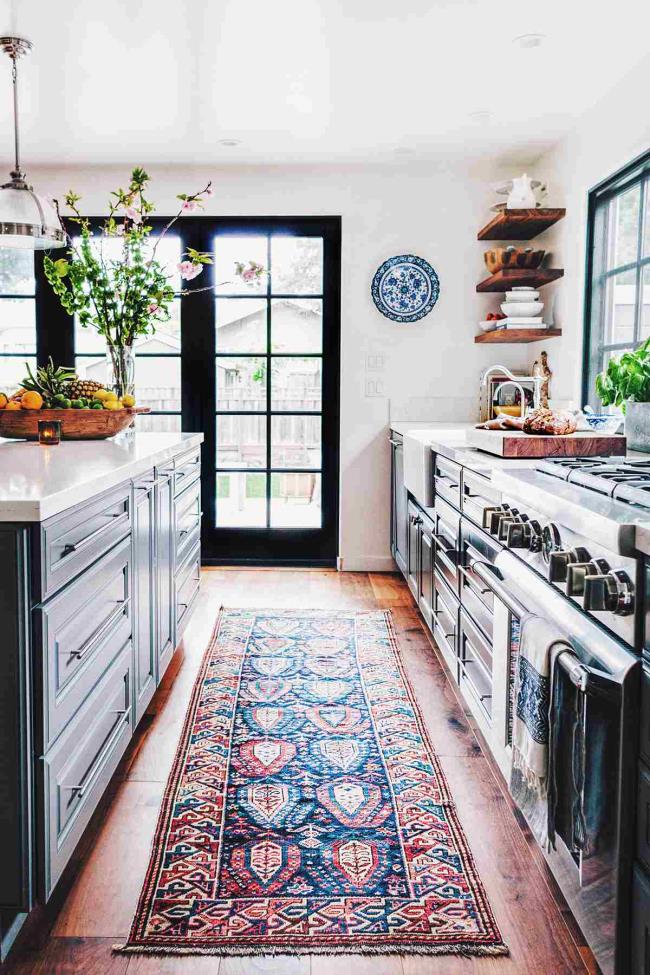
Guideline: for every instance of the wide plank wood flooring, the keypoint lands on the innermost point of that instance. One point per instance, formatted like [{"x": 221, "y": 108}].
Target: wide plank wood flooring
[{"x": 99, "y": 906}]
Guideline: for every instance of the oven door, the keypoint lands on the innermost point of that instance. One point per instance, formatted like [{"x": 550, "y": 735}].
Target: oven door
[{"x": 594, "y": 711}]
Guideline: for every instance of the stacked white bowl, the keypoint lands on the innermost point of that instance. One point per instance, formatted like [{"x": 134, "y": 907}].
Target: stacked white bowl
[{"x": 522, "y": 308}]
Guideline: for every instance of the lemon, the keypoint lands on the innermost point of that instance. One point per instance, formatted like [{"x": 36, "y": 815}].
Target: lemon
[
  {"x": 112, "y": 404},
  {"x": 101, "y": 395},
  {"x": 128, "y": 400},
  {"x": 110, "y": 395}
]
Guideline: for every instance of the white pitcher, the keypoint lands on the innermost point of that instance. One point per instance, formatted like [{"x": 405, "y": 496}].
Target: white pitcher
[{"x": 521, "y": 196}]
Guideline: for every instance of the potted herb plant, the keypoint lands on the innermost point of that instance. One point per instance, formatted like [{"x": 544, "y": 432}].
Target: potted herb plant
[
  {"x": 626, "y": 383},
  {"x": 124, "y": 297}
]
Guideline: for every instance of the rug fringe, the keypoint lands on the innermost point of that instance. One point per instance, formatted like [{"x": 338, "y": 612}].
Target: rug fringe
[{"x": 225, "y": 951}]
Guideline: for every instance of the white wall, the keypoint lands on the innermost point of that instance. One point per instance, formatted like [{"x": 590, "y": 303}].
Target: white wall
[
  {"x": 431, "y": 368},
  {"x": 611, "y": 134}
]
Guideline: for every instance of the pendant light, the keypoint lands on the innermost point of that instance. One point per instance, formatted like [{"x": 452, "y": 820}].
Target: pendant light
[{"x": 27, "y": 221}]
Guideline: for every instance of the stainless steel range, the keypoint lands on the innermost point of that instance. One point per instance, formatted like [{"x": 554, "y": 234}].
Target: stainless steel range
[{"x": 572, "y": 539}]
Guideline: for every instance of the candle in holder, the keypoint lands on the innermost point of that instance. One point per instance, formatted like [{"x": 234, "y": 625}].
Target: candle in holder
[{"x": 49, "y": 432}]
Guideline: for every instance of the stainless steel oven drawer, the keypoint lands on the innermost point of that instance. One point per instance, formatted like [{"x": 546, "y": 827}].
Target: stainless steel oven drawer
[
  {"x": 478, "y": 497},
  {"x": 475, "y": 662},
  {"x": 74, "y": 540},
  {"x": 447, "y": 481},
  {"x": 83, "y": 630},
  {"x": 446, "y": 543},
  {"x": 78, "y": 768},
  {"x": 445, "y": 622}
]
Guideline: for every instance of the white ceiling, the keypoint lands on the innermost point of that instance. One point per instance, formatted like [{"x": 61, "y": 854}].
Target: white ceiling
[{"x": 310, "y": 80}]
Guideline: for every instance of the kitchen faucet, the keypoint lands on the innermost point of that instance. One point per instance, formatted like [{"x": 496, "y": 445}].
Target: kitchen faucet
[{"x": 515, "y": 381}]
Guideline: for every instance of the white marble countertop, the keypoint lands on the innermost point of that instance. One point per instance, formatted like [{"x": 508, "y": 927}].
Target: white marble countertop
[{"x": 39, "y": 482}]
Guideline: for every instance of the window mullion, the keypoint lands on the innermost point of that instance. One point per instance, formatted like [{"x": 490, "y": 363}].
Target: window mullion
[{"x": 638, "y": 309}]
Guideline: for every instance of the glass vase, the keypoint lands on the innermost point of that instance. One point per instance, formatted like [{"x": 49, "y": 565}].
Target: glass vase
[{"x": 120, "y": 369}]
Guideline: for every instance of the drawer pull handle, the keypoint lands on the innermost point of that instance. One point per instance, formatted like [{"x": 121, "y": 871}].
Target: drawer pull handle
[
  {"x": 395, "y": 443},
  {"x": 472, "y": 583},
  {"x": 439, "y": 540},
  {"x": 70, "y": 547},
  {"x": 101, "y": 629},
  {"x": 77, "y": 790}
]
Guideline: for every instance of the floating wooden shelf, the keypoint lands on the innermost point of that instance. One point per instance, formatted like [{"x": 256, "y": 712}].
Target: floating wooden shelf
[
  {"x": 506, "y": 336},
  {"x": 520, "y": 224},
  {"x": 514, "y": 277}
]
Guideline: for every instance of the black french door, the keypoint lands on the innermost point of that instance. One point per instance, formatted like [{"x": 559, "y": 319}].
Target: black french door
[
  {"x": 260, "y": 378},
  {"x": 255, "y": 369}
]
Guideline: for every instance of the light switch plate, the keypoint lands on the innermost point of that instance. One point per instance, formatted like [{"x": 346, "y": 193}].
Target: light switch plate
[{"x": 374, "y": 388}]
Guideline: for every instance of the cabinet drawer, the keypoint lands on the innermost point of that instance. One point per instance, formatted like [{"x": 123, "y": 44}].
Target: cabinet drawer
[
  {"x": 447, "y": 541},
  {"x": 447, "y": 480},
  {"x": 445, "y": 622},
  {"x": 640, "y": 922},
  {"x": 84, "y": 628},
  {"x": 475, "y": 659},
  {"x": 188, "y": 579},
  {"x": 186, "y": 469},
  {"x": 187, "y": 520},
  {"x": 79, "y": 767},
  {"x": 74, "y": 540},
  {"x": 643, "y": 816},
  {"x": 479, "y": 497},
  {"x": 644, "y": 744}
]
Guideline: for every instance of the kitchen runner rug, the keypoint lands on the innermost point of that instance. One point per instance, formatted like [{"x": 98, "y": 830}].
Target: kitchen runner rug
[{"x": 306, "y": 811}]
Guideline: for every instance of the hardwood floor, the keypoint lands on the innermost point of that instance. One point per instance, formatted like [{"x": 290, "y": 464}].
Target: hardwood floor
[{"x": 98, "y": 909}]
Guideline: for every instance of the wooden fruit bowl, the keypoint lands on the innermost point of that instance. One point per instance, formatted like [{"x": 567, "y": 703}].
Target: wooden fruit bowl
[
  {"x": 75, "y": 424},
  {"x": 500, "y": 258}
]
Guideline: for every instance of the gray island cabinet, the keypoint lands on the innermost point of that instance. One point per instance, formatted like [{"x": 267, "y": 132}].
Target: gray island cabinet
[{"x": 100, "y": 547}]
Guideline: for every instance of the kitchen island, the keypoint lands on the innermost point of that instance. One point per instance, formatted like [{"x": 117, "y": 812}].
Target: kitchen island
[{"x": 100, "y": 549}]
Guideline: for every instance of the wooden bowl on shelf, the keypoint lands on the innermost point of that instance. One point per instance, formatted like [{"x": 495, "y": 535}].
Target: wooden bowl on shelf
[
  {"x": 75, "y": 424},
  {"x": 500, "y": 258}
]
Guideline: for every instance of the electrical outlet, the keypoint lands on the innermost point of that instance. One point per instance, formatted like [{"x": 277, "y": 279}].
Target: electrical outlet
[{"x": 374, "y": 388}]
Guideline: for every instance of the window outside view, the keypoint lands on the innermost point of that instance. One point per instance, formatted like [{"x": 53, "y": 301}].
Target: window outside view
[{"x": 17, "y": 317}]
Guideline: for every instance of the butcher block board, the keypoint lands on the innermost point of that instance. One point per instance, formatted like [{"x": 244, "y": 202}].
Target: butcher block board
[{"x": 514, "y": 443}]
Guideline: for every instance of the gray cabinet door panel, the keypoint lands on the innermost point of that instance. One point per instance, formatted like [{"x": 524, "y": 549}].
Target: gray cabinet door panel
[
  {"x": 83, "y": 629},
  {"x": 74, "y": 540},
  {"x": 78, "y": 768},
  {"x": 144, "y": 677},
  {"x": 399, "y": 505},
  {"x": 187, "y": 469},
  {"x": 165, "y": 614},
  {"x": 187, "y": 587}
]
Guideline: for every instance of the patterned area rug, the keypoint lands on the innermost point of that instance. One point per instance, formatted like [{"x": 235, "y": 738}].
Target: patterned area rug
[{"x": 306, "y": 811}]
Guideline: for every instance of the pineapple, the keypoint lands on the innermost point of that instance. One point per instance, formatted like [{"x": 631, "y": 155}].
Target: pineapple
[
  {"x": 50, "y": 381},
  {"x": 82, "y": 388}
]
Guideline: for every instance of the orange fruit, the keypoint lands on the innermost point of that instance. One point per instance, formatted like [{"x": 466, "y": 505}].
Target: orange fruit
[
  {"x": 31, "y": 400},
  {"x": 13, "y": 404},
  {"x": 3, "y": 401}
]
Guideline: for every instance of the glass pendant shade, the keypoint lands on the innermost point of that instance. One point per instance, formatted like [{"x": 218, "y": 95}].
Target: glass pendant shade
[{"x": 28, "y": 221}]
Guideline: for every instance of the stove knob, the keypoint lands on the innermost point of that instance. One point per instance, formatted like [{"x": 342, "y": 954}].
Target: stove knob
[
  {"x": 559, "y": 562},
  {"x": 518, "y": 534},
  {"x": 611, "y": 592},
  {"x": 578, "y": 571},
  {"x": 535, "y": 544},
  {"x": 497, "y": 517},
  {"x": 551, "y": 540}
]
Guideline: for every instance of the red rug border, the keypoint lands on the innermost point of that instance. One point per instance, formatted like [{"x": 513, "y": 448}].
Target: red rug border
[{"x": 479, "y": 944}]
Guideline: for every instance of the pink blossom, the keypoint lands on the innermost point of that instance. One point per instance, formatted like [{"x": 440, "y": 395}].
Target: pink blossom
[
  {"x": 209, "y": 191},
  {"x": 119, "y": 230},
  {"x": 153, "y": 307},
  {"x": 189, "y": 270},
  {"x": 133, "y": 214},
  {"x": 249, "y": 275},
  {"x": 189, "y": 206}
]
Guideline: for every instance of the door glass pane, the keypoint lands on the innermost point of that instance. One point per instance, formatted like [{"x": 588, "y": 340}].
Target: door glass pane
[
  {"x": 297, "y": 265},
  {"x": 241, "y": 500},
  {"x": 241, "y": 383},
  {"x": 646, "y": 229},
  {"x": 150, "y": 423},
  {"x": 296, "y": 383},
  {"x": 241, "y": 441},
  {"x": 620, "y": 306},
  {"x": 624, "y": 235},
  {"x": 12, "y": 372},
  {"x": 158, "y": 382},
  {"x": 296, "y": 500},
  {"x": 17, "y": 325},
  {"x": 296, "y": 441},
  {"x": 16, "y": 271},
  {"x": 296, "y": 325},
  {"x": 228, "y": 251},
  {"x": 241, "y": 324},
  {"x": 645, "y": 303}
]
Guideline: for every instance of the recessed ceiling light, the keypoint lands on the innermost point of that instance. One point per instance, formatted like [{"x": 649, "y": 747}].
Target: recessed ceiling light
[
  {"x": 527, "y": 41},
  {"x": 230, "y": 143},
  {"x": 480, "y": 117}
]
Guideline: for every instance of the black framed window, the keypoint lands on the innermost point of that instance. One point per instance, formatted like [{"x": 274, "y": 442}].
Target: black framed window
[
  {"x": 255, "y": 369},
  {"x": 18, "y": 336},
  {"x": 617, "y": 305}
]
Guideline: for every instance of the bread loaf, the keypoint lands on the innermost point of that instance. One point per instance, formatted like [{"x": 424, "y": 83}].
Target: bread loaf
[{"x": 544, "y": 421}]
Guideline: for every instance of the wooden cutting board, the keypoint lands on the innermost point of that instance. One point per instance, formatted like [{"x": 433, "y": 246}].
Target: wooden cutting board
[{"x": 514, "y": 443}]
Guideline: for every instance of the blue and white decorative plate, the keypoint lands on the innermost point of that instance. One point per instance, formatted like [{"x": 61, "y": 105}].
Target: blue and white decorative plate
[{"x": 405, "y": 288}]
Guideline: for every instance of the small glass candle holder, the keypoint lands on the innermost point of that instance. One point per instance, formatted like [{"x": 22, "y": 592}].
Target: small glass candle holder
[{"x": 49, "y": 432}]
